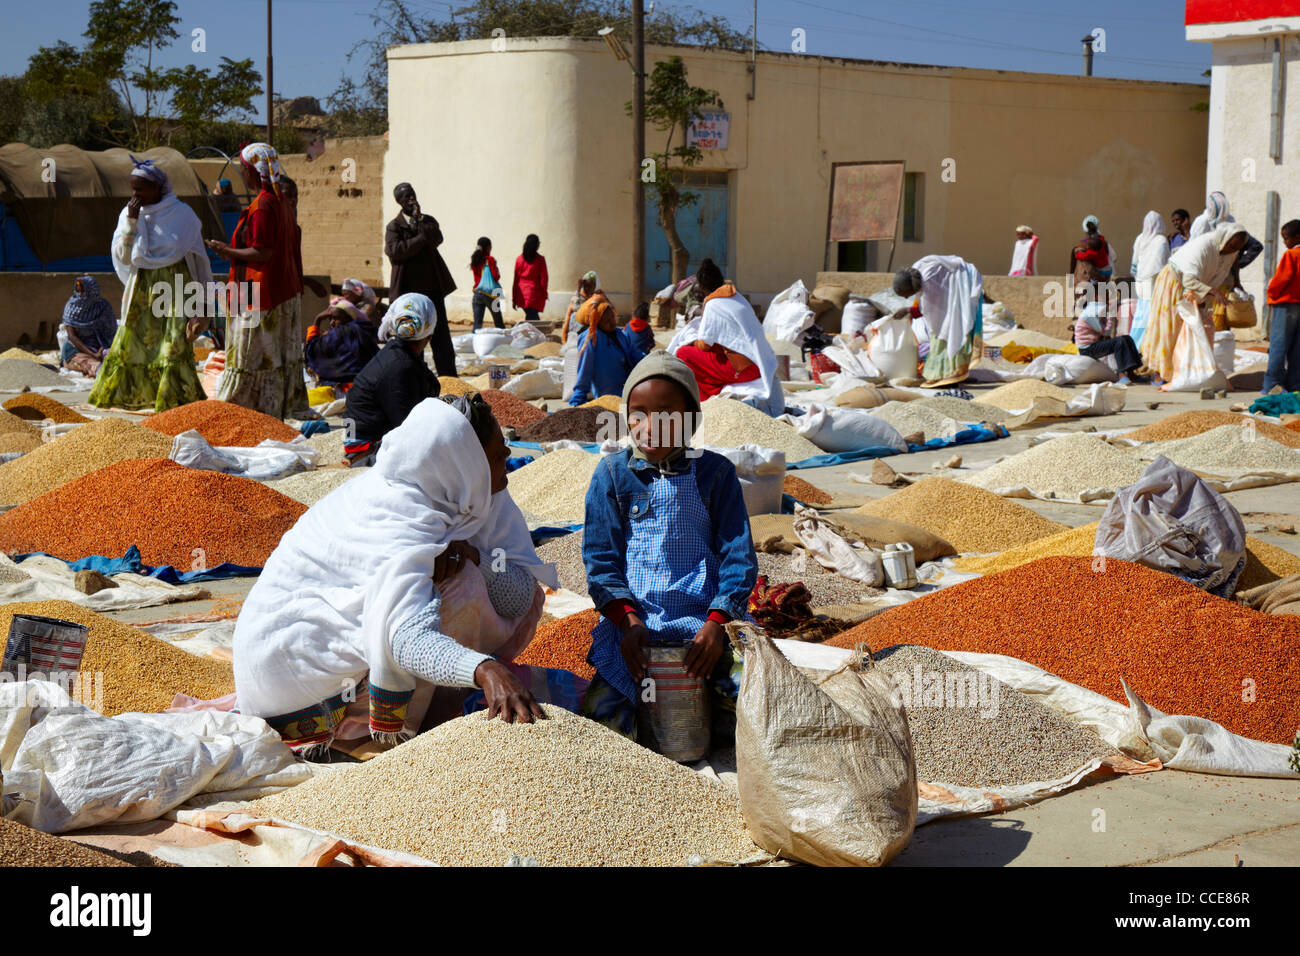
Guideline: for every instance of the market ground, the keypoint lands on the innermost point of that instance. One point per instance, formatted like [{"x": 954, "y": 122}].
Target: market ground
[{"x": 1168, "y": 818}]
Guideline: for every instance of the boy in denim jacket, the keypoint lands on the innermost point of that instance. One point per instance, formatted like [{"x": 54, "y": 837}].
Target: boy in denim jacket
[{"x": 666, "y": 544}]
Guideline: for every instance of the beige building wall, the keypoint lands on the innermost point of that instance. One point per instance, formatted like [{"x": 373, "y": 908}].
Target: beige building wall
[{"x": 535, "y": 139}]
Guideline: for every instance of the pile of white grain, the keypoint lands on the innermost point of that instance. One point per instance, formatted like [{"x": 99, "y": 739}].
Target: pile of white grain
[
  {"x": 564, "y": 791},
  {"x": 554, "y": 486},
  {"x": 730, "y": 424},
  {"x": 910, "y": 417},
  {"x": 1226, "y": 451},
  {"x": 1019, "y": 395},
  {"x": 310, "y": 487},
  {"x": 1062, "y": 468}
]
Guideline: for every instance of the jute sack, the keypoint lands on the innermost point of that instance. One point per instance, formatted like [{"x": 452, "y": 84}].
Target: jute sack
[{"x": 824, "y": 763}]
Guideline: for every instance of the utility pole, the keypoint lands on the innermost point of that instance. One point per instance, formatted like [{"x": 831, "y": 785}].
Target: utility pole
[
  {"x": 638, "y": 148},
  {"x": 753, "y": 55},
  {"x": 1087, "y": 55},
  {"x": 270, "y": 80}
]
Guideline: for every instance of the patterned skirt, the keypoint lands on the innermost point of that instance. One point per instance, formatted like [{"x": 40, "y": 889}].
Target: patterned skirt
[
  {"x": 150, "y": 363},
  {"x": 264, "y": 361}
]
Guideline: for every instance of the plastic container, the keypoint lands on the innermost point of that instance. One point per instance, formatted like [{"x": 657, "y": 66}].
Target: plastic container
[
  {"x": 44, "y": 645},
  {"x": 677, "y": 715},
  {"x": 321, "y": 395},
  {"x": 899, "y": 563},
  {"x": 498, "y": 375}
]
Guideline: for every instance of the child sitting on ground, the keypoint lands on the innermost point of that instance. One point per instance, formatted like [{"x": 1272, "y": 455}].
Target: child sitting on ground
[
  {"x": 638, "y": 334},
  {"x": 666, "y": 545},
  {"x": 605, "y": 356},
  {"x": 1284, "y": 322}
]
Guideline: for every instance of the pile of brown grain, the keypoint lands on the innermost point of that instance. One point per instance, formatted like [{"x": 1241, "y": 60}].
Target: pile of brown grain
[
  {"x": 509, "y": 411},
  {"x": 970, "y": 518},
  {"x": 185, "y": 517},
  {"x": 543, "y": 350},
  {"x": 452, "y": 385},
  {"x": 806, "y": 492},
  {"x": 141, "y": 674},
  {"x": 221, "y": 424},
  {"x": 563, "y": 644},
  {"x": 586, "y": 423},
  {"x": 87, "y": 448},
  {"x": 23, "y": 846},
  {"x": 1188, "y": 424},
  {"x": 35, "y": 406}
]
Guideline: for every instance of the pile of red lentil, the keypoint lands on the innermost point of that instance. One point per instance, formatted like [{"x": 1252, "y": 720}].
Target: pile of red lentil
[
  {"x": 509, "y": 411},
  {"x": 805, "y": 491},
  {"x": 165, "y": 509},
  {"x": 563, "y": 644},
  {"x": 221, "y": 424},
  {"x": 1182, "y": 650}
]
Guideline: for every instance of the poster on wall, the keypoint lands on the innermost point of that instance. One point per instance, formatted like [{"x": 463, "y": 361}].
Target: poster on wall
[
  {"x": 710, "y": 131},
  {"x": 864, "y": 201}
]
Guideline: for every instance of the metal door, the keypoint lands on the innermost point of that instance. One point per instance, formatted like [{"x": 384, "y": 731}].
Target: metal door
[{"x": 702, "y": 226}]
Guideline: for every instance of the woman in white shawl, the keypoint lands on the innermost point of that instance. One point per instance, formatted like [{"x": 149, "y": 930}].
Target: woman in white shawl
[
  {"x": 948, "y": 293},
  {"x": 1194, "y": 273},
  {"x": 725, "y": 346},
  {"x": 355, "y": 603},
  {"x": 1150, "y": 253},
  {"x": 1216, "y": 212},
  {"x": 157, "y": 246}
]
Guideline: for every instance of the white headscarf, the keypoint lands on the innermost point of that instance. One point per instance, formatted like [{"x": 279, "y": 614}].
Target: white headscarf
[
  {"x": 730, "y": 322},
  {"x": 1201, "y": 263},
  {"x": 1150, "y": 251},
  {"x": 360, "y": 288},
  {"x": 358, "y": 564},
  {"x": 163, "y": 235},
  {"x": 1216, "y": 212},
  {"x": 263, "y": 158},
  {"x": 411, "y": 317}
]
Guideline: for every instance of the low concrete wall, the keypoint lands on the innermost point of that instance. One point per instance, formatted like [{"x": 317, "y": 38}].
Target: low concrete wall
[
  {"x": 31, "y": 304},
  {"x": 1023, "y": 295}
]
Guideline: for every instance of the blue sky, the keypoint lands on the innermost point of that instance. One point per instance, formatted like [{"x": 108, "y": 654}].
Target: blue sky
[{"x": 1144, "y": 40}]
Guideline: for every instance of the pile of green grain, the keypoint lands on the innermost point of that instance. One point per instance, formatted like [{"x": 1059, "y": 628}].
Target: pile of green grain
[
  {"x": 88, "y": 448},
  {"x": 141, "y": 674},
  {"x": 564, "y": 791},
  {"x": 970, "y": 518}
]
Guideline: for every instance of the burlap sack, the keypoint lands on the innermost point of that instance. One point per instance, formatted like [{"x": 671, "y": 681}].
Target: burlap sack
[
  {"x": 1277, "y": 597},
  {"x": 827, "y": 297},
  {"x": 774, "y": 534},
  {"x": 873, "y": 396},
  {"x": 824, "y": 766}
]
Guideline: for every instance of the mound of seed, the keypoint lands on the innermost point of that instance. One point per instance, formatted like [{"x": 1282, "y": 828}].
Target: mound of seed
[
  {"x": 88, "y": 448},
  {"x": 543, "y": 349},
  {"x": 910, "y": 417},
  {"x": 329, "y": 444},
  {"x": 565, "y": 552},
  {"x": 729, "y": 424},
  {"x": 1028, "y": 338},
  {"x": 1188, "y": 424},
  {"x": 11, "y": 424},
  {"x": 585, "y": 424},
  {"x": 310, "y": 487},
  {"x": 971, "y": 730},
  {"x": 173, "y": 514},
  {"x": 563, "y": 644},
  {"x": 611, "y": 403},
  {"x": 963, "y": 411},
  {"x": 1019, "y": 395},
  {"x": 23, "y": 846},
  {"x": 452, "y": 385},
  {"x": 805, "y": 491},
  {"x": 19, "y": 442},
  {"x": 221, "y": 424},
  {"x": 969, "y": 518},
  {"x": 142, "y": 674},
  {"x": 554, "y": 487},
  {"x": 19, "y": 373},
  {"x": 509, "y": 411},
  {"x": 1182, "y": 650},
  {"x": 564, "y": 791},
  {"x": 1063, "y": 468},
  {"x": 1264, "y": 563},
  {"x": 35, "y": 406},
  {"x": 1226, "y": 450},
  {"x": 827, "y": 587},
  {"x": 17, "y": 353}
]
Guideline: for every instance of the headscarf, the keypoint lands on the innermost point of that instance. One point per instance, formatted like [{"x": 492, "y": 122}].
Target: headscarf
[
  {"x": 1150, "y": 250},
  {"x": 338, "y": 302},
  {"x": 1091, "y": 219},
  {"x": 265, "y": 160},
  {"x": 1224, "y": 232},
  {"x": 360, "y": 288},
  {"x": 590, "y": 314},
  {"x": 1216, "y": 212},
  {"x": 1023, "y": 228},
  {"x": 145, "y": 169},
  {"x": 411, "y": 317},
  {"x": 90, "y": 314}
]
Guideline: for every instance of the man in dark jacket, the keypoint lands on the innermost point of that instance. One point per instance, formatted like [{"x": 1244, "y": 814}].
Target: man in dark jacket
[
  {"x": 393, "y": 382},
  {"x": 411, "y": 242}
]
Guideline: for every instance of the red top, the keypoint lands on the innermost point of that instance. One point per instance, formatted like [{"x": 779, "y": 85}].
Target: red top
[
  {"x": 1285, "y": 285},
  {"x": 268, "y": 223},
  {"x": 529, "y": 291},
  {"x": 492, "y": 265}
]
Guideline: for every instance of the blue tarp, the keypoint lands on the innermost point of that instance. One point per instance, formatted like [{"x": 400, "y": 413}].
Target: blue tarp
[
  {"x": 130, "y": 563},
  {"x": 313, "y": 426},
  {"x": 552, "y": 531},
  {"x": 1285, "y": 403}
]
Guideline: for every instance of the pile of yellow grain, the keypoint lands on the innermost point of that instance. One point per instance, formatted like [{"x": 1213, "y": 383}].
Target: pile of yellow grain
[
  {"x": 451, "y": 385},
  {"x": 610, "y": 403}
]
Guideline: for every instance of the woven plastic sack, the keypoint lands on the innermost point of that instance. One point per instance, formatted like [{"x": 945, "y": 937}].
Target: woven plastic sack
[
  {"x": 1194, "y": 367},
  {"x": 834, "y": 551},
  {"x": 824, "y": 762}
]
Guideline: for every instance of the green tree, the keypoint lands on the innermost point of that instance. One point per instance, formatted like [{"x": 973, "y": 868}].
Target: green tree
[
  {"x": 124, "y": 35},
  {"x": 397, "y": 22},
  {"x": 671, "y": 106}
]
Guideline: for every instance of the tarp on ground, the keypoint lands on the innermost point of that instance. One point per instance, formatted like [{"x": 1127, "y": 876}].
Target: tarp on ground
[
  {"x": 50, "y": 579},
  {"x": 131, "y": 563},
  {"x": 67, "y": 200}
]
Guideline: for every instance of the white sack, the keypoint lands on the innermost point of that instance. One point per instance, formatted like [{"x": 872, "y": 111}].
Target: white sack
[
  {"x": 788, "y": 315},
  {"x": 539, "y": 383},
  {"x": 268, "y": 460},
  {"x": 835, "y": 429}
]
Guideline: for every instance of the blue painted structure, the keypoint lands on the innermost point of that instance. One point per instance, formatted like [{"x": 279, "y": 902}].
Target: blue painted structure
[{"x": 701, "y": 225}]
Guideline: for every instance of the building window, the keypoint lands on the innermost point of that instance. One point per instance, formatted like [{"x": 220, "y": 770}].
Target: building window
[{"x": 913, "y": 206}]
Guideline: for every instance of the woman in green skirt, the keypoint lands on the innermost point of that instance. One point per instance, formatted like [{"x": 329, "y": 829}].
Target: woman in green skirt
[{"x": 158, "y": 253}]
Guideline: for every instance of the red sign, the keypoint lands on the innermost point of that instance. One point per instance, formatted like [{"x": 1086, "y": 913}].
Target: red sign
[{"x": 1239, "y": 11}]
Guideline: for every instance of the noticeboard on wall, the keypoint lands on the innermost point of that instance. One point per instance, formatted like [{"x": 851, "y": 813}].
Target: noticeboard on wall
[
  {"x": 864, "y": 201},
  {"x": 711, "y": 130}
]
